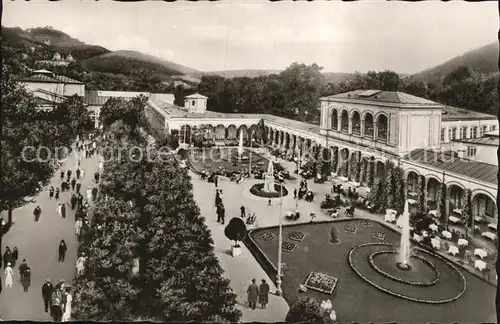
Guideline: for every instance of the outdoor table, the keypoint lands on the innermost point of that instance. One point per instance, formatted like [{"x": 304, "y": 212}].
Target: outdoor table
[
  {"x": 457, "y": 211},
  {"x": 480, "y": 253},
  {"x": 454, "y": 220},
  {"x": 453, "y": 250},
  {"x": 433, "y": 227},
  {"x": 477, "y": 228},
  {"x": 390, "y": 217},
  {"x": 417, "y": 238},
  {"x": 433, "y": 213},
  {"x": 412, "y": 201},
  {"x": 490, "y": 235},
  {"x": 436, "y": 243},
  {"x": 463, "y": 242},
  {"x": 480, "y": 265},
  {"x": 425, "y": 234},
  {"x": 492, "y": 227},
  {"x": 478, "y": 219},
  {"x": 446, "y": 235}
]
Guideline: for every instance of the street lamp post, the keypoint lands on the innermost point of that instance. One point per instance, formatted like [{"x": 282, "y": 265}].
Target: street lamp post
[
  {"x": 298, "y": 180},
  {"x": 280, "y": 242}
]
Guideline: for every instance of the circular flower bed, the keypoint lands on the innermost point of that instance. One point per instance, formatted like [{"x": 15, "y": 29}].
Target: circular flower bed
[
  {"x": 266, "y": 236},
  {"x": 372, "y": 257},
  {"x": 258, "y": 190},
  {"x": 404, "y": 296}
]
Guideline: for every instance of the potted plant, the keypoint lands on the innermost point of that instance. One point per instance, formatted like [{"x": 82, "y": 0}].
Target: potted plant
[{"x": 235, "y": 231}]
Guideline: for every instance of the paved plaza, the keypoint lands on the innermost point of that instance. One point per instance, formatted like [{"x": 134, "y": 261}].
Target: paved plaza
[{"x": 38, "y": 243}]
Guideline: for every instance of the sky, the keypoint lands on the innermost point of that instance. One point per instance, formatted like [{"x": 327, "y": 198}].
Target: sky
[{"x": 233, "y": 35}]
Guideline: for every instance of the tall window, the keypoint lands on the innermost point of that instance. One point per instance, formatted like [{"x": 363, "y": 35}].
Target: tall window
[
  {"x": 471, "y": 151},
  {"x": 443, "y": 130},
  {"x": 452, "y": 134},
  {"x": 493, "y": 127},
  {"x": 463, "y": 132},
  {"x": 484, "y": 129},
  {"x": 473, "y": 132}
]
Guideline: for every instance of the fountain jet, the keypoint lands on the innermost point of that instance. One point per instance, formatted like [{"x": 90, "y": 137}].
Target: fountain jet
[
  {"x": 240, "y": 144},
  {"x": 404, "y": 247}
]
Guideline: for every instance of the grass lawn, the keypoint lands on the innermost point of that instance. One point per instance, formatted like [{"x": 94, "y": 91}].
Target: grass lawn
[
  {"x": 353, "y": 298},
  {"x": 212, "y": 159}
]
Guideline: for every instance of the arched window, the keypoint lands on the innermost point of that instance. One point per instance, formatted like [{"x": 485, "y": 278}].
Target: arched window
[
  {"x": 356, "y": 123},
  {"x": 382, "y": 128},
  {"x": 369, "y": 125},
  {"x": 185, "y": 134},
  {"x": 344, "y": 122},
  {"x": 335, "y": 119}
]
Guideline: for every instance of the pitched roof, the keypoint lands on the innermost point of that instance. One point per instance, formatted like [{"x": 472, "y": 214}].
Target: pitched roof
[
  {"x": 394, "y": 97},
  {"x": 66, "y": 79},
  {"x": 48, "y": 96},
  {"x": 196, "y": 96},
  {"x": 453, "y": 114},
  {"x": 487, "y": 140},
  {"x": 92, "y": 98},
  {"x": 450, "y": 163},
  {"x": 49, "y": 79}
]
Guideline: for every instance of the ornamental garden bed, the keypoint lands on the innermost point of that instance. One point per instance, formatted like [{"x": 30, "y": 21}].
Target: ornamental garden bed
[
  {"x": 321, "y": 282},
  {"x": 350, "y": 229},
  {"x": 297, "y": 236},
  {"x": 288, "y": 247},
  {"x": 257, "y": 190},
  {"x": 266, "y": 236}
]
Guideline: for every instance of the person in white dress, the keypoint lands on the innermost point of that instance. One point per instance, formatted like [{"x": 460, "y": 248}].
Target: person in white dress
[
  {"x": 78, "y": 226},
  {"x": 67, "y": 308},
  {"x": 89, "y": 194},
  {"x": 80, "y": 264},
  {"x": 9, "y": 275}
]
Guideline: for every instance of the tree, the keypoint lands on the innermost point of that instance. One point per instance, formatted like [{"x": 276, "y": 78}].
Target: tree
[
  {"x": 235, "y": 230},
  {"x": 467, "y": 207},
  {"x": 369, "y": 172},
  {"x": 389, "y": 186},
  {"x": 442, "y": 201},
  {"x": 356, "y": 160},
  {"x": 260, "y": 133},
  {"x": 307, "y": 310},
  {"x": 399, "y": 189},
  {"x": 421, "y": 206}
]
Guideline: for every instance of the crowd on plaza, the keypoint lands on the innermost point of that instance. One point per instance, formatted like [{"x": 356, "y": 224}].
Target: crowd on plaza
[{"x": 57, "y": 299}]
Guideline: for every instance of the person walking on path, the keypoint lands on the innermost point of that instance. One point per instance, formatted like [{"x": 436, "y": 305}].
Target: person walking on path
[
  {"x": 82, "y": 173},
  {"x": 80, "y": 265},
  {"x": 67, "y": 304},
  {"x": 78, "y": 226},
  {"x": 47, "y": 290},
  {"x": 59, "y": 210},
  {"x": 63, "y": 186},
  {"x": 15, "y": 256},
  {"x": 73, "y": 201},
  {"x": 62, "y": 174},
  {"x": 51, "y": 192},
  {"x": 78, "y": 187},
  {"x": 216, "y": 181},
  {"x": 78, "y": 173},
  {"x": 26, "y": 279},
  {"x": 89, "y": 194},
  {"x": 94, "y": 193},
  {"x": 253, "y": 294},
  {"x": 9, "y": 274},
  {"x": 73, "y": 184},
  {"x": 22, "y": 267},
  {"x": 69, "y": 174},
  {"x": 242, "y": 211},
  {"x": 63, "y": 210},
  {"x": 263, "y": 293},
  {"x": 62, "y": 250},
  {"x": 37, "y": 212},
  {"x": 57, "y": 193},
  {"x": 96, "y": 177},
  {"x": 7, "y": 257}
]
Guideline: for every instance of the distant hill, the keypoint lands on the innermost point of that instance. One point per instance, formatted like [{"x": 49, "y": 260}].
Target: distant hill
[
  {"x": 483, "y": 59},
  {"x": 124, "y": 62}
]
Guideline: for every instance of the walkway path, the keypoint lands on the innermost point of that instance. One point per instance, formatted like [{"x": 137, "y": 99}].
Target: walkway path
[{"x": 38, "y": 242}]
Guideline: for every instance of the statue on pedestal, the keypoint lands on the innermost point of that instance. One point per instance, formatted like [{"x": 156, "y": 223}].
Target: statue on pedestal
[{"x": 269, "y": 178}]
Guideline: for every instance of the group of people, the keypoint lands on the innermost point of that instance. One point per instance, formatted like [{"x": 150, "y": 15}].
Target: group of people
[
  {"x": 24, "y": 272},
  {"x": 258, "y": 293},
  {"x": 57, "y": 300},
  {"x": 303, "y": 192}
]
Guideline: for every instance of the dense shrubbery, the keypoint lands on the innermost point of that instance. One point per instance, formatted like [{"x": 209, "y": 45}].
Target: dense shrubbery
[{"x": 150, "y": 216}]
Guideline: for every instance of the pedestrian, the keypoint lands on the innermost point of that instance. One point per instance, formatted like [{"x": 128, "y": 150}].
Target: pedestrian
[
  {"x": 78, "y": 226},
  {"x": 57, "y": 193},
  {"x": 78, "y": 187},
  {"x": 59, "y": 210},
  {"x": 269, "y": 203},
  {"x": 96, "y": 177},
  {"x": 216, "y": 181},
  {"x": 82, "y": 174},
  {"x": 22, "y": 267},
  {"x": 37, "y": 212},
  {"x": 51, "y": 192},
  {"x": 223, "y": 214},
  {"x": 73, "y": 184},
  {"x": 242, "y": 211},
  {"x": 26, "y": 279},
  {"x": 62, "y": 174},
  {"x": 80, "y": 200},
  {"x": 101, "y": 166},
  {"x": 15, "y": 256},
  {"x": 62, "y": 250},
  {"x": 253, "y": 294},
  {"x": 63, "y": 210},
  {"x": 80, "y": 265},
  {"x": 73, "y": 201},
  {"x": 7, "y": 257},
  {"x": 94, "y": 193},
  {"x": 89, "y": 194},
  {"x": 294, "y": 193},
  {"x": 47, "y": 290},
  {"x": 56, "y": 304},
  {"x": 263, "y": 293},
  {"x": 78, "y": 172},
  {"x": 69, "y": 174},
  {"x": 63, "y": 186},
  {"x": 8, "y": 276},
  {"x": 67, "y": 304}
]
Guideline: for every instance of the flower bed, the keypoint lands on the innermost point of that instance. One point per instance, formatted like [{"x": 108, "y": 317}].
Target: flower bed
[
  {"x": 321, "y": 282},
  {"x": 350, "y": 229},
  {"x": 378, "y": 236},
  {"x": 258, "y": 190},
  {"x": 266, "y": 236},
  {"x": 288, "y": 247},
  {"x": 297, "y": 236},
  {"x": 366, "y": 223}
]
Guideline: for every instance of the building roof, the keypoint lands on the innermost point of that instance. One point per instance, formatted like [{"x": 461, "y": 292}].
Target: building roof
[
  {"x": 48, "y": 96},
  {"x": 454, "y": 114},
  {"x": 43, "y": 71},
  {"x": 393, "y": 97},
  {"x": 450, "y": 163},
  {"x": 487, "y": 140},
  {"x": 493, "y": 133},
  {"x": 92, "y": 98},
  {"x": 196, "y": 96},
  {"x": 49, "y": 79}
]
